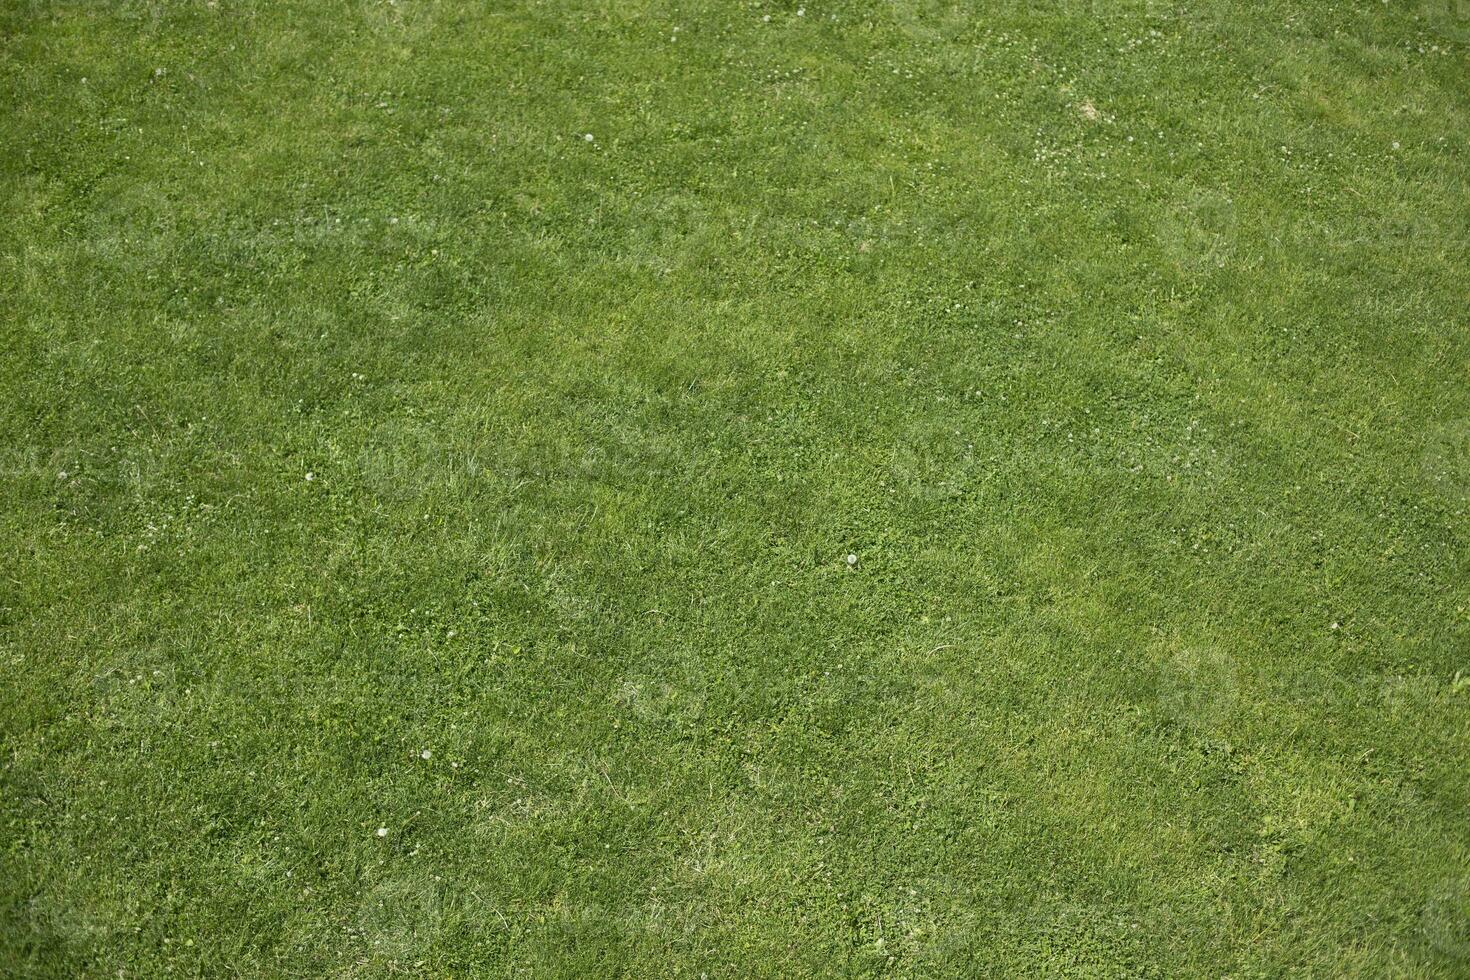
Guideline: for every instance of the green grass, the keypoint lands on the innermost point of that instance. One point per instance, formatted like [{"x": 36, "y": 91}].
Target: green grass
[{"x": 353, "y": 404}]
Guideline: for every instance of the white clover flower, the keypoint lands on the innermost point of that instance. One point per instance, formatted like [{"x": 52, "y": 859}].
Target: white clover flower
[{"x": 382, "y": 831}]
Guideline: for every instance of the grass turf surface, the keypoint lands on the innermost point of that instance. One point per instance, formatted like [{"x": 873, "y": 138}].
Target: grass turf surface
[{"x": 455, "y": 418}]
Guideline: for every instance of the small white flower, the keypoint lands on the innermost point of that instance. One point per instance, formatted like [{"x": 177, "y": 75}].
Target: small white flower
[
  {"x": 852, "y": 560},
  {"x": 801, "y": 11},
  {"x": 426, "y": 755},
  {"x": 588, "y": 137},
  {"x": 382, "y": 831},
  {"x": 1395, "y": 144},
  {"x": 61, "y": 475},
  {"x": 310, "y": 477},
  {"x": 766, "y": 19}
]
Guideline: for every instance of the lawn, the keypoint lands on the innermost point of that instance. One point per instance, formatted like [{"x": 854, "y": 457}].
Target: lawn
[{"x": 726, "y": 489}]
